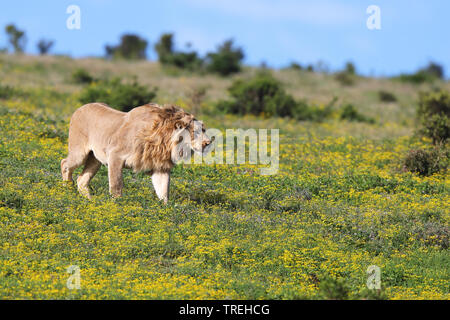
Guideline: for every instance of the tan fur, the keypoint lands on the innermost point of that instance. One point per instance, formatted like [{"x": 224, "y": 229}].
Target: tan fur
[{"x": 141, "y": 139}]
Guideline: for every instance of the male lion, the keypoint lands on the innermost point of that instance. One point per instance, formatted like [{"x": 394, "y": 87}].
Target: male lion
[{"x": 148, "y": 138}]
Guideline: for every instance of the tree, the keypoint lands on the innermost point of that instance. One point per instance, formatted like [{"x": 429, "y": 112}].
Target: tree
[
  {"x": 168, "y": 56},
  {"x": 131, "y": 47},
  {"x": 44, "y": 46},
  {"x": 434, "y": 69},
  {"x": 17, "y": 38},
  {"x": 164, "y": 48},
  {"x": 226, "y": 60},
  {"x": 350, "y": 68}
]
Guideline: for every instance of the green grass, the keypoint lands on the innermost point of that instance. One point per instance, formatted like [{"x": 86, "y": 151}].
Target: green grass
[{"x": 339, "y": 203}]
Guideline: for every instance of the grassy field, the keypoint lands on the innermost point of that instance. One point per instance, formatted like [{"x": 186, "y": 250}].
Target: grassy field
[{"x": 339, "y": 203}]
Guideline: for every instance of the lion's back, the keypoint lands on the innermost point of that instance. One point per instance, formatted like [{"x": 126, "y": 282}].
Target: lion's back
[
  {"x": 92, "y": 124},
  {"x": 94, "y": 117}
]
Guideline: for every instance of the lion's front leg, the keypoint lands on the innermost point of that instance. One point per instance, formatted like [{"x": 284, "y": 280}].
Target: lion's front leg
[
  {"x": 115, "y": 166},
  {"x": 161, "y": 182}
]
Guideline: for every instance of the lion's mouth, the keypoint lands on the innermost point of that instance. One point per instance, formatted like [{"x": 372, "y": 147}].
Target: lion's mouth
[{"x": 203, "y": 150}]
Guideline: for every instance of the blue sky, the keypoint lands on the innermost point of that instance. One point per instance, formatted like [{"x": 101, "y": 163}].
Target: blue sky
[{"x": 276, "y": 32}]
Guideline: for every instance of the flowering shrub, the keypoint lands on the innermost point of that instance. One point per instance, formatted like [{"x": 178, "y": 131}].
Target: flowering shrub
[
  {"x": 434, "y": 115},
  {"x": 123, "y": 96}
]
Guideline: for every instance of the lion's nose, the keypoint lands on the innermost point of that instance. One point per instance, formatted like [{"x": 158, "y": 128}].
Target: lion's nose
[{"x": 206, "y": 143}]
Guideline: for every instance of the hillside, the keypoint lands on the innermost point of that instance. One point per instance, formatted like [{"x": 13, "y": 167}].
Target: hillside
[
  {"x": 174, "y": 85},
  {"x": 339, "y": 203}
]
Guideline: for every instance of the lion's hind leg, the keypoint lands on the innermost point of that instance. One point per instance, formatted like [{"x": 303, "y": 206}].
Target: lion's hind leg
[
  {"x": 91, "y": 167},
  {"x": 65, "y": 172},
  {"x": 74, "y": 160},
  {"x": 68, "y": 166}
]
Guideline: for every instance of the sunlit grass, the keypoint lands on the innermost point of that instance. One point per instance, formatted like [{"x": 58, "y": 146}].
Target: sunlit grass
[{"x": 339, "y": 203}]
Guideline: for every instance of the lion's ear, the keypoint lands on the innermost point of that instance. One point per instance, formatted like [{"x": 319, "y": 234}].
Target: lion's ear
[
  {"x": 180, "y": 125},
  {"x": 184, "y": 122}
]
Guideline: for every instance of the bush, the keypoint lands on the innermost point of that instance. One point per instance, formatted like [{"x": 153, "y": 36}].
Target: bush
[
  {"x": 416, "y": 78},
  {"x": 122, "y": 96},
  {"x": 386, "y": 96},
  {"x": 303, "y": 111},
  {"x": 186, "y": 60},
  {"x": 434, "y": 115},
  {"x": 350, "y": 113},
  {"x": 9, "y": 92},
  {"x": 426, "y": 162},
  {"x": 6, "y": 92},
  {"x": 131, "y": 47},
  {"x": 261, "y": 95},
  {"x": 345, "y": 78},
  {"x": 264, "y": 95},
  {"x": 427, "y": 74},
  {"x": 226, "y": 60},
  {"x": 81, "y": 76},
  {"x": 295, "y": 66},
  {"x": 334, "y": 289}
]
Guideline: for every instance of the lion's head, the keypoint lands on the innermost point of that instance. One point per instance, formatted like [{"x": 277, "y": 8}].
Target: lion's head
[
  {"x": 189, "y": 135},
  {"x": 172, "y": 135}
]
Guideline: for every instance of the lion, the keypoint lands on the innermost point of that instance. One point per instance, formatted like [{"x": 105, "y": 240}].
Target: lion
[{"x": 149, "y": 138}]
